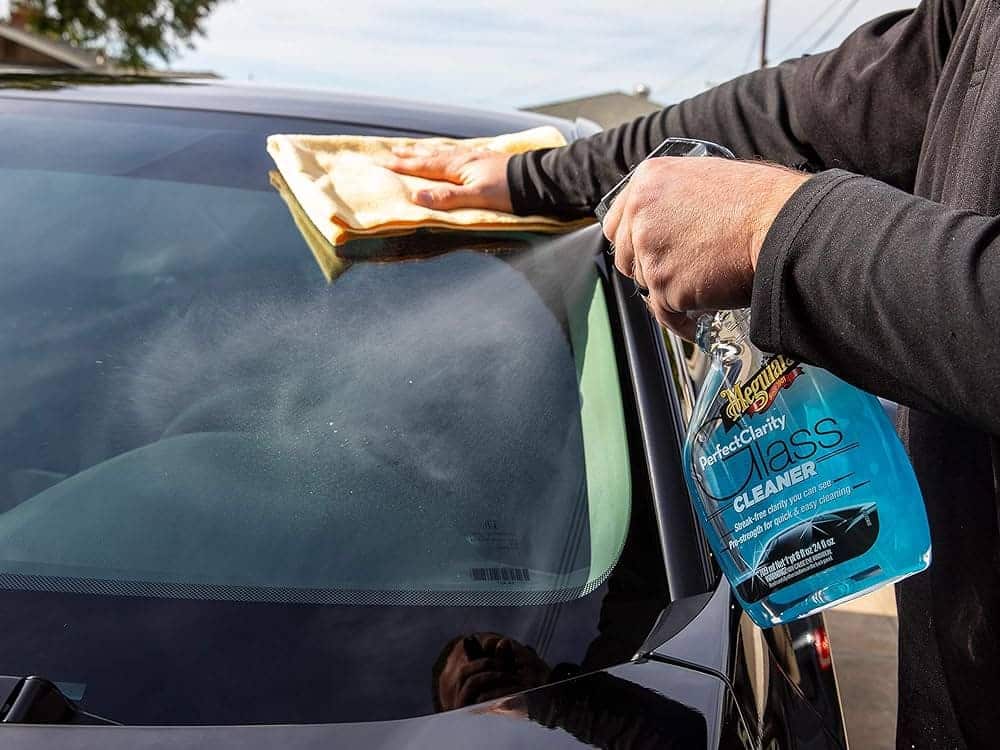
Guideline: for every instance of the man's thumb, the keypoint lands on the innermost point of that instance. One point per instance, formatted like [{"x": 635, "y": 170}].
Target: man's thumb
[{"x": 446, "y": 198}]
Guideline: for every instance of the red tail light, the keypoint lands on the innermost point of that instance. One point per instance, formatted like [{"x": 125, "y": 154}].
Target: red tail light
[{"x": 821, "y": 642}]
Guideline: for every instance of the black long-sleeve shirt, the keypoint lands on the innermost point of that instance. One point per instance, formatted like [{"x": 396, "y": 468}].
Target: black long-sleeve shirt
[{"x": 885, "y": 269}]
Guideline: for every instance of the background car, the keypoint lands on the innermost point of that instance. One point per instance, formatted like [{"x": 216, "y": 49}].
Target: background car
[{"x": 242, "y": 506}]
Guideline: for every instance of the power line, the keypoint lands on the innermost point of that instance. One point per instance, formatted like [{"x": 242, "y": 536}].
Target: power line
[
  {"x": 833, "y": 26},
  {"x": 702, "y": 59},
  {"x": 808, "y": 27},
  {"x": 711, "y": 51}
]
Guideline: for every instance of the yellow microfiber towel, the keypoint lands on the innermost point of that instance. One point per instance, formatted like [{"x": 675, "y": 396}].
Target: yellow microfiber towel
[
  {"x": 341, "y": 185},
  {"x": 331, "y": 264}
]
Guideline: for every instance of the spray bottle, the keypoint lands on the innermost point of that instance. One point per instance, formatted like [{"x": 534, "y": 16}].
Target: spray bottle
[{"x": 799, "y": 480}]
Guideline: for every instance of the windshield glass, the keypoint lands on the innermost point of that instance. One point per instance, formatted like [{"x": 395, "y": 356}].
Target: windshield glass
[{"x": 191, "y": 413}]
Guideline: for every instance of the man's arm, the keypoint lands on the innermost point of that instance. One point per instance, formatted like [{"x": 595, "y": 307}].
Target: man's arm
[
  {"x": 862, "y": 107},
  {"x": 894, "y": 293}
]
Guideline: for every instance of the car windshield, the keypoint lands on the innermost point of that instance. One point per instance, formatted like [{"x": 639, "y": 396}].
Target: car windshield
[{"x": 208, "y": 450}]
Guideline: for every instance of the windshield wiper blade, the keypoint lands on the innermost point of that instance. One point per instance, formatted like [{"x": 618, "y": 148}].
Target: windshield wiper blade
[{"x": 36, "y": 700}]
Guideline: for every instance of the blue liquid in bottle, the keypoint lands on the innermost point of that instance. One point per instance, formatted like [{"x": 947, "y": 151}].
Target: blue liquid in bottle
[{"x": 799, "y": 480}]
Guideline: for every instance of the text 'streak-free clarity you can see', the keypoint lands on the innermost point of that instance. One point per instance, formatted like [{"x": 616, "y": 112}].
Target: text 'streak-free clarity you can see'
[{"x": 799, "y": 480}]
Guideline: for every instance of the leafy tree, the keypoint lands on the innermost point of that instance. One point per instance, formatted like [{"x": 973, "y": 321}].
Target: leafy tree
[{"x": 130, "y": 31}]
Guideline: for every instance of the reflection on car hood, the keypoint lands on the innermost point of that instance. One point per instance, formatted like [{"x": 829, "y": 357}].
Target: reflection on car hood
[
  {"x": 640, "y": 705},
  {"x": 219, "y": 96}
]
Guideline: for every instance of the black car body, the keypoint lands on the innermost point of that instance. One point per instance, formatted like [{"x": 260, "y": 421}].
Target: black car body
[{"x": 167, "y": 346}]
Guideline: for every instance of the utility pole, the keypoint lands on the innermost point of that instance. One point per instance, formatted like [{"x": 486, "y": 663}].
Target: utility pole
[{"x": 763, "y": 33}]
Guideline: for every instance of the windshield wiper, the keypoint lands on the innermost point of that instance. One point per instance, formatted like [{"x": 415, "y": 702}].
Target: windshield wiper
[{"x": 35, "y": 700}]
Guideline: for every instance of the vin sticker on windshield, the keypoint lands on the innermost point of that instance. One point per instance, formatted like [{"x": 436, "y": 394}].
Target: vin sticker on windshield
[{"x": 494, "y": 538}]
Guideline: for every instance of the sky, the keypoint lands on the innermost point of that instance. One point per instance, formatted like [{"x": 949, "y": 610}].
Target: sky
[{"x": 511, "y": 53}]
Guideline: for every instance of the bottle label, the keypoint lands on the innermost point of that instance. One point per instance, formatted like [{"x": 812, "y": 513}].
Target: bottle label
[
  {"x": 758, "y": 392},
  {"x": 782, "y": 479}
]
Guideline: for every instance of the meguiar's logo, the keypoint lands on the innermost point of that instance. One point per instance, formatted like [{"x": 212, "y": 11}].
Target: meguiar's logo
[{"x": 758, "y": 392}]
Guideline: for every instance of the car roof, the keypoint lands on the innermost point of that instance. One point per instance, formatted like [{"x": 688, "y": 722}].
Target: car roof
[{"x": 227, "y": 96}]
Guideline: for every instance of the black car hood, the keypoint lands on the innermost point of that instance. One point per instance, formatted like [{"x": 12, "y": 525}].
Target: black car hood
[
  {"x": 327, "y": 106},
  {"x": 652, "y": 703}
]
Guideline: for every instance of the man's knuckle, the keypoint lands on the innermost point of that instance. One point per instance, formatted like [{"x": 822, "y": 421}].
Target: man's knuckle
[
  {"x": 637, "y": 273},
  {"x": 653, "y": 271},
  {"x": 643, "y": 236},
  {"x": 685, "y": 298},
  {"x": 623, "y": 261},
  {"x": 672, "y": 299},
  {"x": 658, "y": 308}
]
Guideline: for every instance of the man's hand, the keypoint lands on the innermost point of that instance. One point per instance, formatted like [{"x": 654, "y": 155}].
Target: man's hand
[
  {"x": 478, "y": 177},
  {"x": 690, "y": 229},
  {"x": 503, "y": 667}
]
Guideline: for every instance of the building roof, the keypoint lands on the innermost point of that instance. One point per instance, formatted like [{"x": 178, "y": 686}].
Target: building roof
[
  {"x": 55, "y": 49},
  {"x": 607, "y": 110},
  {"x": 67, "y": 58}
]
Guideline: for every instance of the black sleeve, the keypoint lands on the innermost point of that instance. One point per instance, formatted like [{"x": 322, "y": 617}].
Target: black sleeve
[
  {"x": 751, "y": 115},
  {"x": 862, "y": 107},
  {"x": 896, "y": 294}
]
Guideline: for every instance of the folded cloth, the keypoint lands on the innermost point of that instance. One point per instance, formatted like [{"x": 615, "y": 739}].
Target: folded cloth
[
  {"x": 342, "y": 186},
  {"x": 331, "y": 264}
]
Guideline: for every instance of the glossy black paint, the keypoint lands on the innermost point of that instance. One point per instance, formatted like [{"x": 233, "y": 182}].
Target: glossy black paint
[
  {"x": 653, "y": 689},
  {"x": 705, "y": 676},
  {"x": 368, "y": 111}
]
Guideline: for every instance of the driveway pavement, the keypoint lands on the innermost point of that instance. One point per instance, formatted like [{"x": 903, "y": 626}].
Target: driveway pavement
[{"x": 863, "y": 640}]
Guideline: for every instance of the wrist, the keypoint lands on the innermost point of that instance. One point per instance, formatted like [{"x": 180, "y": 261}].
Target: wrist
[
  {"x": 516, "y": 179},
  {"x": 781, "y": 189},
  {"x": 500, "y": 184}
]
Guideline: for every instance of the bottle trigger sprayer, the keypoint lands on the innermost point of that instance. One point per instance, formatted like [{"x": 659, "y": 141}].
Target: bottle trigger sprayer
[{"x": 798, "y": 479}]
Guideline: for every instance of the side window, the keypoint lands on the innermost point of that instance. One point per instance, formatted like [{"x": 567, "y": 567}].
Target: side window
[{"x": 688, "y": 366}]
